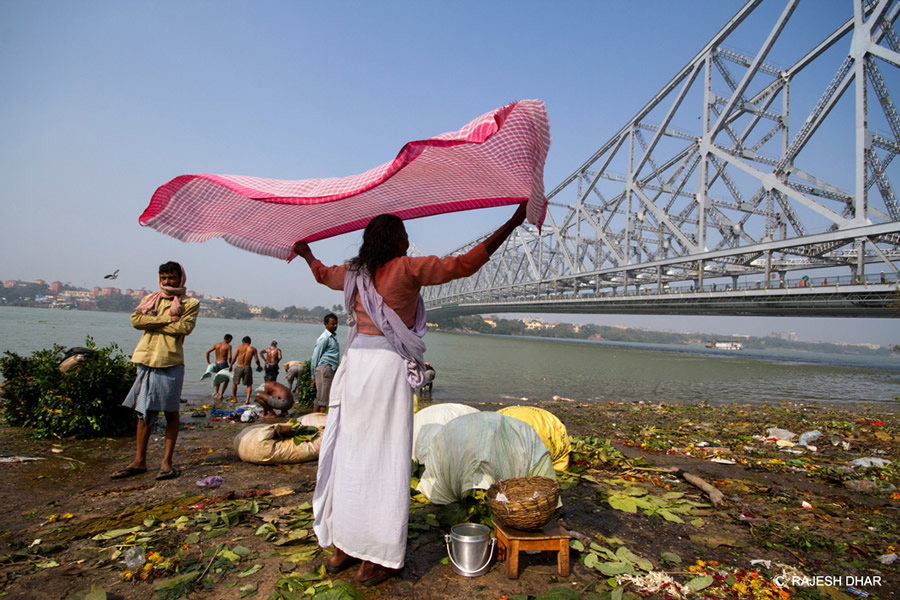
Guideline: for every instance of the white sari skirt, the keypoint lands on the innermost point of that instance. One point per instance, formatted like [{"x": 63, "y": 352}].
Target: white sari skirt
[{"x": 361, "y": 502}]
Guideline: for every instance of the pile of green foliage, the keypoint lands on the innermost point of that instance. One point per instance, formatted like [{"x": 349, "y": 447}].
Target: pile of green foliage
[
  {"x": 85, "y": 402},
  {"x": 304, "y": 392}
]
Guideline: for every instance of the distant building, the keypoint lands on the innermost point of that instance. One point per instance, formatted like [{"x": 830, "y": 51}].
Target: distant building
[
  {"x": 107, "y": 291},
  {"x": 789, "y": 336},
  {"x": 56, "y": 286},
  {"x": 9, "y": 283},
  {"x": 532, "y": 324},
  {"x": 255, "y": 310},
  {"x": 490, "y": 321}
]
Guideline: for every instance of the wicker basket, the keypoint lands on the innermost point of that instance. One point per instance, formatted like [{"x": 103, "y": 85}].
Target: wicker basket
[{"x": 530, "y": 502}]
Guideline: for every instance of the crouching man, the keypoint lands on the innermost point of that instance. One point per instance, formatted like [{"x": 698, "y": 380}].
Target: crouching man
[{"x": 275, "y": 396}]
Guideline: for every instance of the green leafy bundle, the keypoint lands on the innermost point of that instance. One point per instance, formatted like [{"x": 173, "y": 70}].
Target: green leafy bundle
[
  {"x": 304, "y": 392},
  {"x": 84, "y": 402}
]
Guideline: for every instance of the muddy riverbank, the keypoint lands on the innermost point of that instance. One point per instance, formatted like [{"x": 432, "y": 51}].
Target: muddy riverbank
[{"x": 788, "y": 511}]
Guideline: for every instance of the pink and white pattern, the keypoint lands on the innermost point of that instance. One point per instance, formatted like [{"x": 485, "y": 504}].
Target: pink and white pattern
[{"x": 495, "y": 160}]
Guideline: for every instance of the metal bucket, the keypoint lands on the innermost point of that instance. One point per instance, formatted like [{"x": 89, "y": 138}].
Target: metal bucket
[{"x": 470, "y": 548}]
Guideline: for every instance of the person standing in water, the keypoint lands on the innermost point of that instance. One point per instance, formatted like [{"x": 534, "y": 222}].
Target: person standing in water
[
  {"x": 240, "y": 367},
  {"x": 223, "y": 358},
  {"x": 272, "y": 356}
]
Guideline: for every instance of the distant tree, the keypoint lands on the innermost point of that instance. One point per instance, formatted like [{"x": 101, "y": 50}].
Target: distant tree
[
  {"x": 291, "y": 313},
  {"x": 117, "y": 303},
  {"x": 337, "y": 309},
  {"x": 510, "y": 327},
  {"x": 474, "y": 323},
  {"x": 270, "y": 313},
  {"x": 22, "y": 294},
  {"x": 590, "y": 330},
  {"x": 232, "y": 309},
  {"x": 562, "y": 330}
]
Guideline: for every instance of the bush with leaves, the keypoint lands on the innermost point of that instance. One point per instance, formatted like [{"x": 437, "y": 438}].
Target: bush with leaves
[
  {"x": 85, "y": 402},
  {"x": 304, "y": 392}
]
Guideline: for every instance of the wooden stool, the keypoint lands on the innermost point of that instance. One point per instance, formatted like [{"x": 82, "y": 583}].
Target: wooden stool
[{"x": 551, "y": 538}]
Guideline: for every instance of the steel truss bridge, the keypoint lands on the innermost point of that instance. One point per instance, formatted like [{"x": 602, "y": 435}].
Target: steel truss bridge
[{"x": 753, "y": 183}]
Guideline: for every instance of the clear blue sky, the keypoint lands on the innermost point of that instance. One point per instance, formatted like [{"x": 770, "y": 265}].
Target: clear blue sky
[{"x": 102, "y": 102}]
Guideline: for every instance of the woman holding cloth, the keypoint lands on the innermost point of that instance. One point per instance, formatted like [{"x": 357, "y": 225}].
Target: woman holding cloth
[{"x": 361, "y": 502}]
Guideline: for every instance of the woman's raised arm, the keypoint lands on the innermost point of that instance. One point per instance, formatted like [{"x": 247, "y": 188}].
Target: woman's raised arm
[{"x": 498, "y": 237}]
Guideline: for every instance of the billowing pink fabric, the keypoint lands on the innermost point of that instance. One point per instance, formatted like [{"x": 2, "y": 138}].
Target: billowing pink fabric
[{"x": 495, "y": 160}]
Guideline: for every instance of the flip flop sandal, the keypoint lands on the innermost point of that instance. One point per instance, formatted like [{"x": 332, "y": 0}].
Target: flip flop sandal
[
  {"x": 127, "y": 472},
  {"x": 170, "y": 474}
]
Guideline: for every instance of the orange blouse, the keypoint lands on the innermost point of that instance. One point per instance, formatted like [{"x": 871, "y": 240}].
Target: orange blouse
[{"x": 399, "y": 281}]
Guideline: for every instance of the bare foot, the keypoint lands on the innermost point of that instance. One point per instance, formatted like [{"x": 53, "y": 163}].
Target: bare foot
[
  {"x": 339, "y": 561},
  {"x": 370, "y": 574}
]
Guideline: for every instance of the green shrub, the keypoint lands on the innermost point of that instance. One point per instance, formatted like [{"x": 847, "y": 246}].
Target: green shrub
[
  {"x": 304, "y": 392},
  {"x": 84, "y": 402}
]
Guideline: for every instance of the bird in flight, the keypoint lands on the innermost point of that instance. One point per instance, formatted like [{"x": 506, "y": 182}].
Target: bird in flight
[{"x": 112, "y": 275}]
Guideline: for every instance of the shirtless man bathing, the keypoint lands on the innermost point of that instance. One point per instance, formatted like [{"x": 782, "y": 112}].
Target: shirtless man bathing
[
  {"x": 240, "y": 367},
  {"x": 223, "y": 358},
  {"x": 272, "y": 356}
]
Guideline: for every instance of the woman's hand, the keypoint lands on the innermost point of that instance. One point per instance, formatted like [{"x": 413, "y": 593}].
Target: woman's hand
[
  {"x": 519, "y": 216},
  {"x": 302, "y": 250}
]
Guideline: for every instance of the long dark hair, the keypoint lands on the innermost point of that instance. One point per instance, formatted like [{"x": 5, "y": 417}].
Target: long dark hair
[{"x": 382, "y": 239}]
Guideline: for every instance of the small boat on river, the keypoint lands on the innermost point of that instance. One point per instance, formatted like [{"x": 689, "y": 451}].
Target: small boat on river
[{"x": 725, "y": 345}]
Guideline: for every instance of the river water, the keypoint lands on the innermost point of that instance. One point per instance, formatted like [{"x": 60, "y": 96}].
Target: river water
[{"x": 491, "y": 368}]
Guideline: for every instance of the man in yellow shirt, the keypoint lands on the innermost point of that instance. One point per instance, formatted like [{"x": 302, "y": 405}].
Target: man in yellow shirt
[{"x": 165, "y": 317}]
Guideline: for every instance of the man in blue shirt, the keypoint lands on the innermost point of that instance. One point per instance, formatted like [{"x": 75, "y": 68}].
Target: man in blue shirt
[{"x": 325, "y": 359}]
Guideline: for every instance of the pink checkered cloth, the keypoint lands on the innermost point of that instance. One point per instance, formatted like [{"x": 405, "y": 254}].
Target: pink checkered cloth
[{"x": 495, "y": 160}]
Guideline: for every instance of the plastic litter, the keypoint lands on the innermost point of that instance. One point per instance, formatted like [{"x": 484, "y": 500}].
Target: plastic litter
[
  {"x": 870, "y": 462},
  {"x": 759, "y": 561},
  {"x": 858, "y": 592},
  {"x": 247, "y": 416},
  {"x": 780, "y": 434},
  {"x": 861, "y": 485},
  {"x": 806, "y": 504},
  {"x": 809, "y": 437},
  {"x": 211, "y": 481},
  {"x": 722, "y": 461},
  {"x": 223, "y": 413},
  {"x": 135, "y": 558},
  {"x": 887, "y": 559}
]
